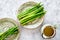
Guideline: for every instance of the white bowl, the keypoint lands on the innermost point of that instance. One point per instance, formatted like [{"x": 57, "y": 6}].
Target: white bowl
[{"x": 44, "y": 36}]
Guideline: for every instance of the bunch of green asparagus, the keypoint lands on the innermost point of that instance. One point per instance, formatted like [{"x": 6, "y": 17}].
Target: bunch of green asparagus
[
  {"x": 31, "y": 14},
  {"x": 11, "y": 31}
]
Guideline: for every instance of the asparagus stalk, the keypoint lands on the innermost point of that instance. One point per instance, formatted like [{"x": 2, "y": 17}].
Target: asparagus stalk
[
  {"x": 31, "y": 14},
  {"x": 23, "y": 14},
  {"x": 10, "y": 31},
  {"x": 38, "y": 15}
]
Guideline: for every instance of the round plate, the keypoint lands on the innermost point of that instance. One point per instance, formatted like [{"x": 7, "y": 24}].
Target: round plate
[
  {"x": 5, "y": 24},
  {"x": 29, "y": 5}
]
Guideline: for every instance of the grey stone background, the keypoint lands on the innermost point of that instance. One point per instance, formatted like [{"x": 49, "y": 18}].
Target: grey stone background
[{"x": 8, "y": 9}]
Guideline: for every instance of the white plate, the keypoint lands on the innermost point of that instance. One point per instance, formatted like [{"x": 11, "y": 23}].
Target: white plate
[
  {"x": 25, "y": 6},
  {"x": 5, "y": 24}
]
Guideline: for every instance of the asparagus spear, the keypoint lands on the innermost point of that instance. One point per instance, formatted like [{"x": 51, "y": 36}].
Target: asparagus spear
[
  {"x": 23, "y": 14},
  {"x": 10, "y": 31},
  {"x": 38, "y": 15},
  {"x": 31, "y": 14}
]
